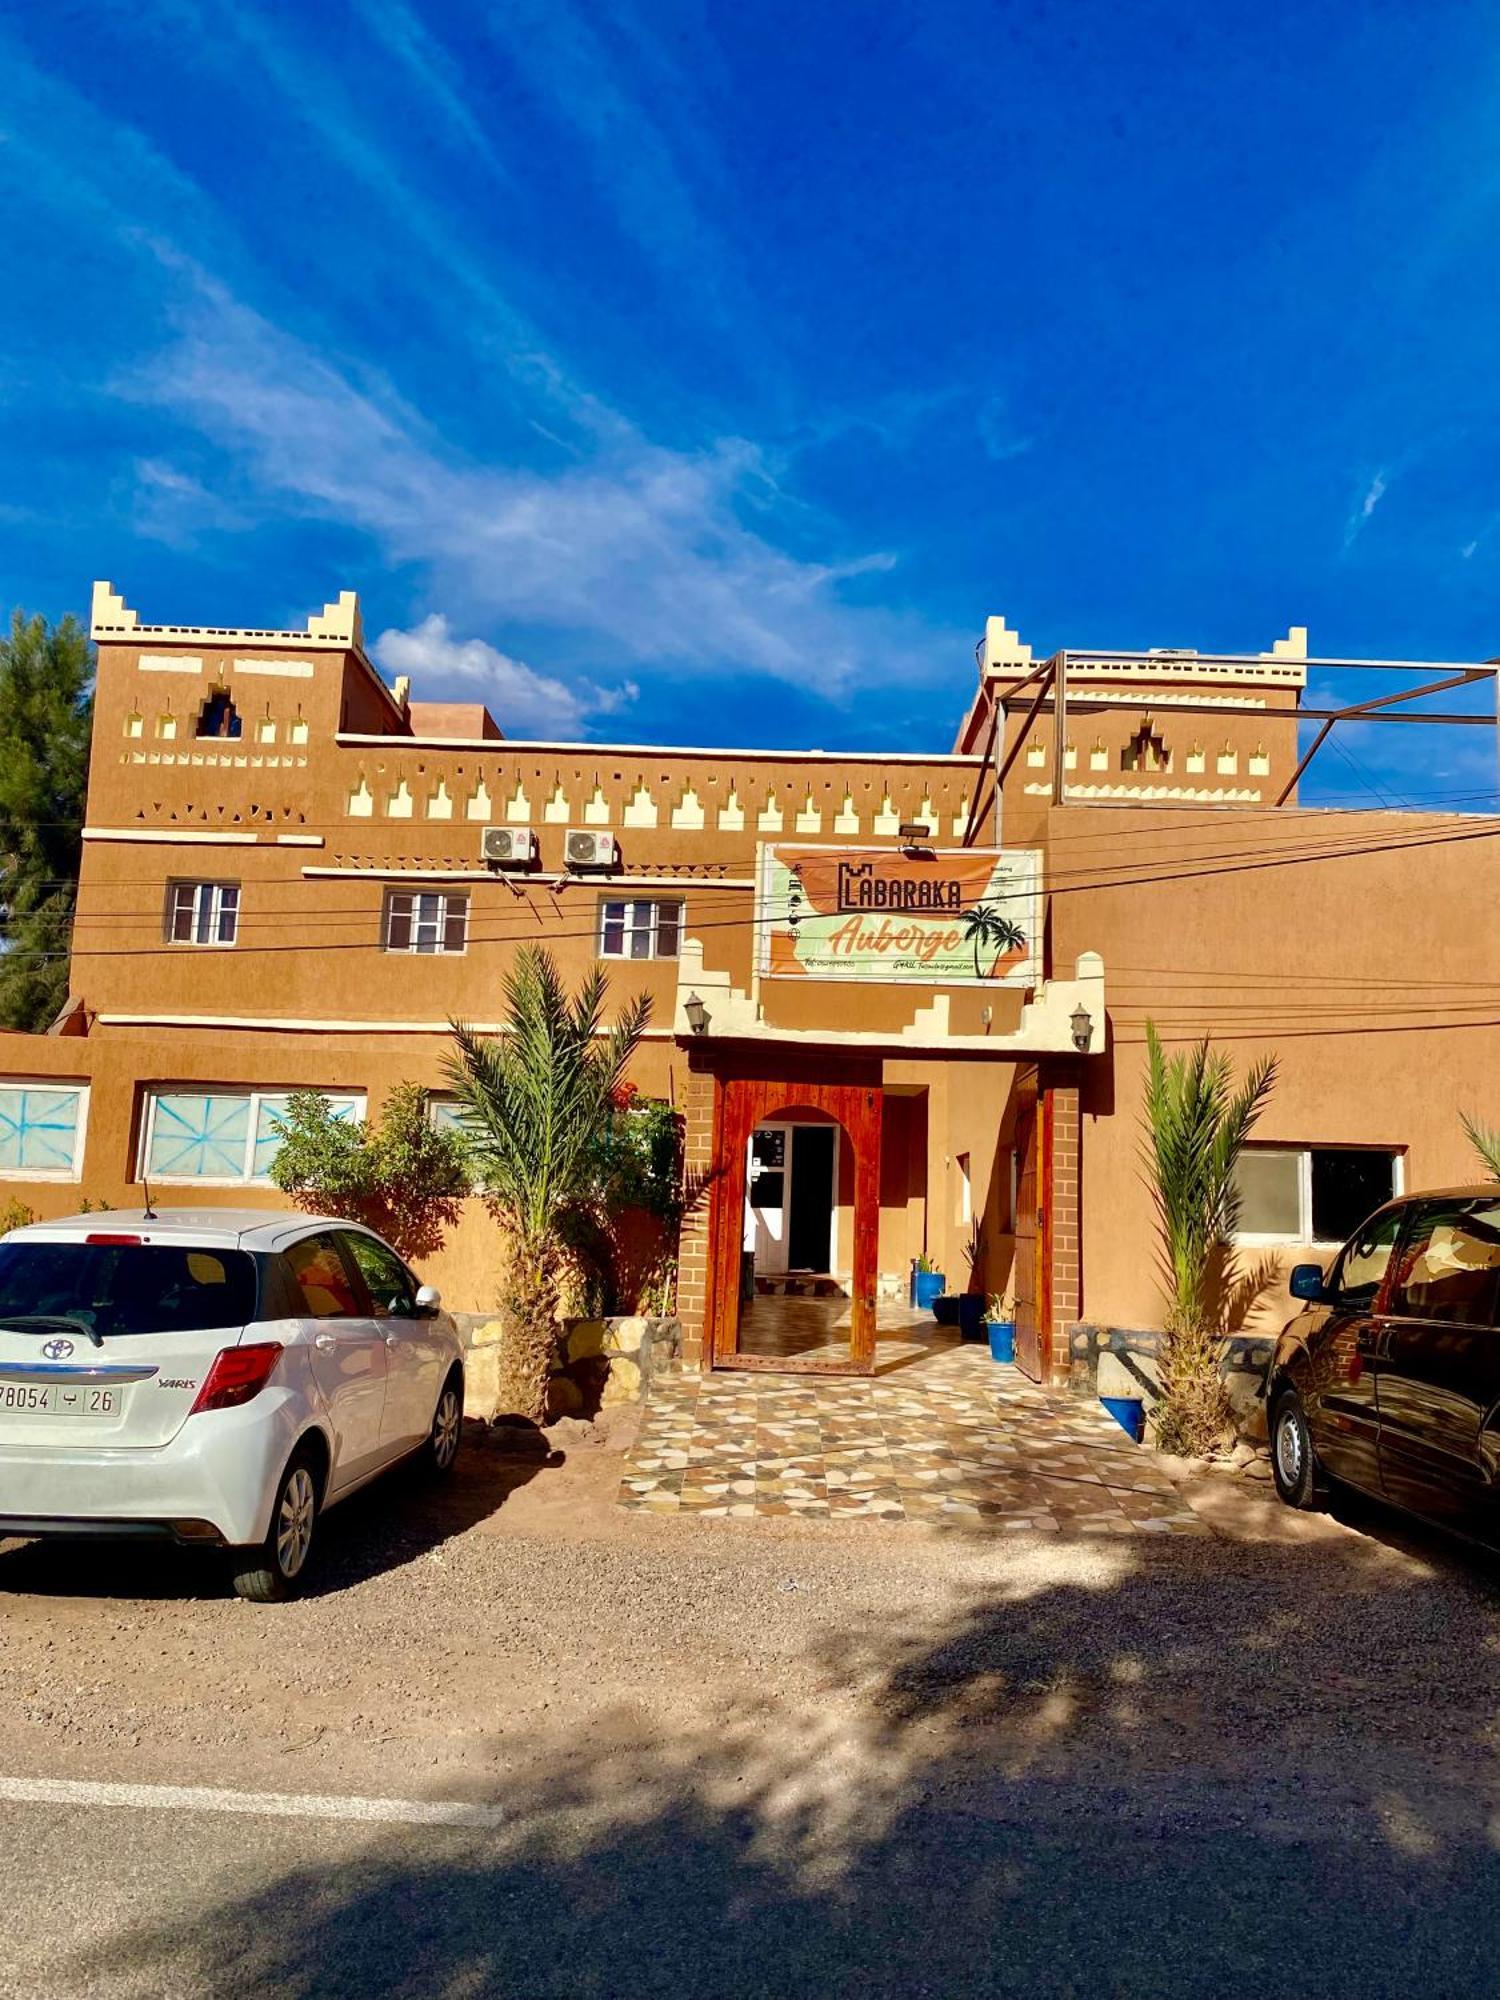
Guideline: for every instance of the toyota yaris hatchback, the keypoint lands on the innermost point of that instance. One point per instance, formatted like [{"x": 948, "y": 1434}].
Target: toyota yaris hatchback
[
  {"x": 213, "y": 1376},
  {"x": 1389, "y": 1379}
]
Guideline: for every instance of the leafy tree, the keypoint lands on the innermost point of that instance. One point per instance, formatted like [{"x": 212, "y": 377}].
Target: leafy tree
[
  {"x": 984, "y": 926},
  {"x": 1197, "y": 1122},
  {"x": 534, "y": 1103},
  {"x": 639, "y": 1173},
  {"x": 46, "y": 713},
  {"x": 401, "y": 1175}
]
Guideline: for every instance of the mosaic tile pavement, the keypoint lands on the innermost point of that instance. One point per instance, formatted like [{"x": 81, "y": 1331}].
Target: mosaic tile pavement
[{"x": 940, "y": 1434}]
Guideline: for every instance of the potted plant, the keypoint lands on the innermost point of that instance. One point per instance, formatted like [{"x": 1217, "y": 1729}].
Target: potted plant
[
  {"x": 927, "y": 1284},
  {"x": 1000, "y": 1325}
]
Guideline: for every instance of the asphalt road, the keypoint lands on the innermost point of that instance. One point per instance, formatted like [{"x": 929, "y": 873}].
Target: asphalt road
[{"x": 696, "y": 1760}]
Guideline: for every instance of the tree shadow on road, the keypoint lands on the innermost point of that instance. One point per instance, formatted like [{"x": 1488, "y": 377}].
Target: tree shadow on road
[{"x": 1165, "y": 1772}]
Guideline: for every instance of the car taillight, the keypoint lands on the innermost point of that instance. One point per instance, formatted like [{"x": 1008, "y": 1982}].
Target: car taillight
[
  {"x": 102, "y": 1237},
  {"x": 238, "y": 1374}
]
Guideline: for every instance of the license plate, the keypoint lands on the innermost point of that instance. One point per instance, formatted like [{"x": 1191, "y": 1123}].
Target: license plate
[{"x": 57, "y": 1399}]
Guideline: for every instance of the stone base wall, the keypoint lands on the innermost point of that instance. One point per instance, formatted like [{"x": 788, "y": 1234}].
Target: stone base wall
[
  {"x": 600, "y": 1363},
  {"x": 1121, "y": 1361}
]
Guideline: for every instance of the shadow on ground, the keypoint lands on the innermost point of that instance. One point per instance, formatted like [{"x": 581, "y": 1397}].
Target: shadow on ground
[
  {"x": 397, "y": 1519},
  {"x": 1192, "y": 1770}
]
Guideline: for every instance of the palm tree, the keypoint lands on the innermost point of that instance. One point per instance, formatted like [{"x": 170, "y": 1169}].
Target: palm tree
[
  {"x": 534, "y": 1103},
  {"x": 1486, "y": 1144},
  {"x": 1197, "y": 1122},
  {"x": 984, "y": 925}
]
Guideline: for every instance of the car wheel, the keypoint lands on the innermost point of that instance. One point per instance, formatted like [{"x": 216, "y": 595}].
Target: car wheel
[
  {"x": 1294, "y": 1463},
  {"x": 446, "y": 1434},
  {"x": 274, "y": 1569}
]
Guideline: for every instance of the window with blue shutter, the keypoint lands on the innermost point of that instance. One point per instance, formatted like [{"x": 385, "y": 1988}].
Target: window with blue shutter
[
  {"x": 222, "y": 1136},
  {"x": 41, "y": 1129}
]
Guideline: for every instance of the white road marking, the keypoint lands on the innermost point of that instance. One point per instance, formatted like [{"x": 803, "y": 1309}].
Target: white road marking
[{"x": 272, "y": 1805}]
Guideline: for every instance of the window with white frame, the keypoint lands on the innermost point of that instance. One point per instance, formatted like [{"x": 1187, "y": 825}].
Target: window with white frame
[
  {"x": 41, "y": 1130},
  {"x": 430, "y": 920},
  {"x": 1312, "y": 1194},
  {"x": 222, "y": 1138},
  {"x": 203, "y": 912},
  {"x": 647, "y": 928},
  {"x": 444, "y": 1112}
]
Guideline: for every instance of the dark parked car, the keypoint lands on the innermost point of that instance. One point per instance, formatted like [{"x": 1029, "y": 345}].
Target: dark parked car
[{"x": 1389, "y": 1380}]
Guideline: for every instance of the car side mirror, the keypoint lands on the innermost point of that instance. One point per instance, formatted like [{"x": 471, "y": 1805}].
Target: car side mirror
[
  {"x": 428, "y": 1302},
  {"x": 1306, "y": 1283}
]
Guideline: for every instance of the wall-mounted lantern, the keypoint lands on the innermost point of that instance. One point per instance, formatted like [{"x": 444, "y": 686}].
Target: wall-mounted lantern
[
  {"x": 697, "y": 1014},
  {"x": 1083, "y": 1028}
]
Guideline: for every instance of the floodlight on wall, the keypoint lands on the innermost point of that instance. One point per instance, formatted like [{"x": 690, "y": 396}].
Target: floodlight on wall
[
  {"x": 1083, "y": 1028},
  {"x": 914, "y": 830},
  {"x": 697, "y": 1014}
]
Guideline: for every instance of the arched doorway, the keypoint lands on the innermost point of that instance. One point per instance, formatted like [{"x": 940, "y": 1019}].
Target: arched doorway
[{"x": 795, "y": 1223}]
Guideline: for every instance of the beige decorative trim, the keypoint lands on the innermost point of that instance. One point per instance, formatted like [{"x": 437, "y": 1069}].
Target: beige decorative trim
[
  {"x": 1001, "y": 650},
  {"x": 641, "y": 810},
  {"x": 336, "y": 625},
  {"x": 552, "y": 746},
  {"x": 300, "y": 1025},
  {"x": 1165, "y": 698},
  {"x": 1265, "y": 670},
  {"x": 204, "y": 837},
  {"x": 541, "y": 880},
  {"x": 1134, "y": 794},
  {"x": 286, "y": 670},
  {"x": 687, "y": 814},
  {"x": 171, "y": 836},
  {"x": 168, "y": 663}
]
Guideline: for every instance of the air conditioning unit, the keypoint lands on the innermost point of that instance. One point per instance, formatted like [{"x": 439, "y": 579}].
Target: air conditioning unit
[
  {"x": 591, "y": 850},
  {"x": 508, "y": 846}
]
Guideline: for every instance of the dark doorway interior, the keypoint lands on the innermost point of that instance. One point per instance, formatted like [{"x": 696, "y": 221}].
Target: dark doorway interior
[{"x": 810, "y": 1225}]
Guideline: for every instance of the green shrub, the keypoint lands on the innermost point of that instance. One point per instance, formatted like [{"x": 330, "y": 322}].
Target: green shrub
[{"x": 399, "y": 1174}]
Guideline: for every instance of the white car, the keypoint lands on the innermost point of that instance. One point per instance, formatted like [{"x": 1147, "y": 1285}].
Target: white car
[{"x": 215, "y": 1376}]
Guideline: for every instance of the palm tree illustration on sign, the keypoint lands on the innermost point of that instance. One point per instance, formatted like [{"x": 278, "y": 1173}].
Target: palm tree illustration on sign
[{"x": 984, "y": 925}]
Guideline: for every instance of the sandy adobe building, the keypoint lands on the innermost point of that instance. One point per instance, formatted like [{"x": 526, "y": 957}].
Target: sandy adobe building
[{"x": 295, "y": 875}]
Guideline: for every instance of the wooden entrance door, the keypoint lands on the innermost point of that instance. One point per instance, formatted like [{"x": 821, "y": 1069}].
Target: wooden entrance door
[
  {"x": 743, "y": 1103},
  {"x": 1033, "y": 1265}
]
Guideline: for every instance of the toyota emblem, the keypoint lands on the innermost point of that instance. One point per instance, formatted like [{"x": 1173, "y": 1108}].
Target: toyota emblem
[{"x": 58, "y": 1350}]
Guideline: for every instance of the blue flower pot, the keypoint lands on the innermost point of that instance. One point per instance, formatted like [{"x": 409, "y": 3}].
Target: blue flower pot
[
  {"x": 945, "y": 1308},
  {"x": 1129, "y": 1412},
  {"x": 1002, "y": 1334},
  {"x": 927, "y": 1290}
]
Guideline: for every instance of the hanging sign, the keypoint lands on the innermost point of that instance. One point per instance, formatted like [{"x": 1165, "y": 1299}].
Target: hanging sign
[{"x": 933, "y": 917}]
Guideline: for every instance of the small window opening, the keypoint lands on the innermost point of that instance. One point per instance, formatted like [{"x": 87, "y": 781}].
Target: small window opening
[{"x": 218, "y": 716}]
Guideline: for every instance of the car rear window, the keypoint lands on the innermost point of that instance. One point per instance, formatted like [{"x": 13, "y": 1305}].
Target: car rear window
[{"x": 126, "y": 1288}]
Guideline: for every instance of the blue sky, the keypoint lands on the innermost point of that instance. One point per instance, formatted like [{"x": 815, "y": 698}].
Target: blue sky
[{"x": 668, "y": 372}]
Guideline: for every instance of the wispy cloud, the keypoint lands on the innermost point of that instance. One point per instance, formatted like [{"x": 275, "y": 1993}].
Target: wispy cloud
[
  {"x": 999, "y": 433},
  {"x": 430, "y": 67},
  {"x": 624, "y": 134},
  {"x": 524, "y": 701},
  {"x": 1374, "y": 493},
  {"x": 173, "y": 506},
  {"x": 641, "y": 549},
  {"x": 684, "y": 560}
]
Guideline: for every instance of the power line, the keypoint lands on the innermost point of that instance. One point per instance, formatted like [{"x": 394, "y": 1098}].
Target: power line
[{"x": 1235, "y": 864}]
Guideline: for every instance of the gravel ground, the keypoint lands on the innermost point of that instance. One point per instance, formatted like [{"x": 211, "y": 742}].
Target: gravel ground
[{"x": 750, "y": 1759}]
